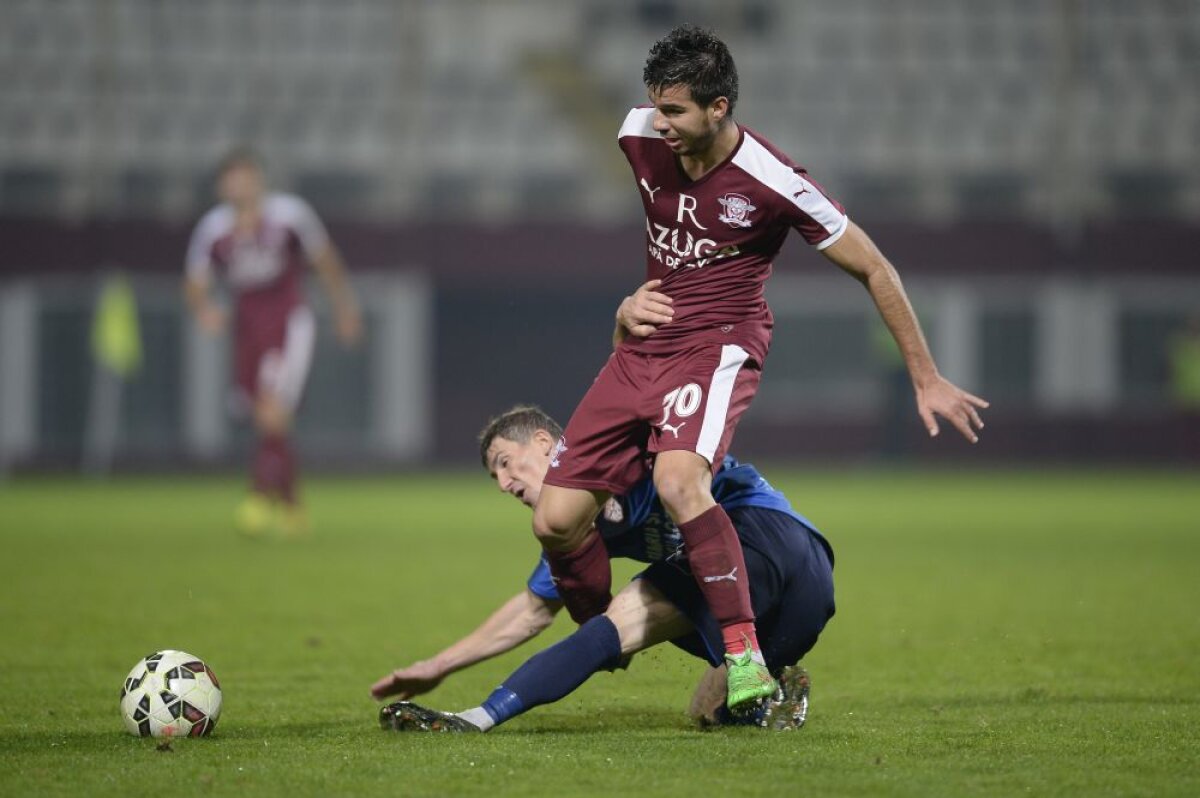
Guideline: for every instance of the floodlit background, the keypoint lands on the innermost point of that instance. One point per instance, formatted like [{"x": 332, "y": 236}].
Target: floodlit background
[{"x": 1030, "y": 166}]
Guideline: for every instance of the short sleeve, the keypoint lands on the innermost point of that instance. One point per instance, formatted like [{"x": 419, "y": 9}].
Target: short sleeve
[
  {"x": 300, "y": 216},
  {"x": 540, "y": 583},
  {"x": 199, "y": 260}
]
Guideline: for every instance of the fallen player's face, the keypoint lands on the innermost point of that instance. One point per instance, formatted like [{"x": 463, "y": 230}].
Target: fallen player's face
[
  {"x": 687, "y": 128},
  {"x": 519, "y": 468}
]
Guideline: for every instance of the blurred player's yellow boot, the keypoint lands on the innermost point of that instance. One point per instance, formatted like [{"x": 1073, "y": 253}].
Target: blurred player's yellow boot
[
  {"x": 748, "y": 681},
  {"x": 253, "y": 516},
  {"x": 293, "y": 522}
]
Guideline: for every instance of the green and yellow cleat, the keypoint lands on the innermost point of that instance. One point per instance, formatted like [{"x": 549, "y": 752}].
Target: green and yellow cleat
[{"x": 749, "y": 682}]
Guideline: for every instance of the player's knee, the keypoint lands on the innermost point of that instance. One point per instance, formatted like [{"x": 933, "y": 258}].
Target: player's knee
[
  {"x": 681, "y": 492},
  {"x": 552, "y": 530}
]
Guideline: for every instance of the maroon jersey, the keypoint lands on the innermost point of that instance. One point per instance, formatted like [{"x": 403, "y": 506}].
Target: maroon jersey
[
  {"x": 264, "y": 268},
  {"x": 711, "y": 241}
]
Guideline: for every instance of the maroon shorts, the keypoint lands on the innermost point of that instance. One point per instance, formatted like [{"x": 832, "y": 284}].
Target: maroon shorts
[
  {"x": 643, "y": 404},
  {"x": 274, "y": 359}
]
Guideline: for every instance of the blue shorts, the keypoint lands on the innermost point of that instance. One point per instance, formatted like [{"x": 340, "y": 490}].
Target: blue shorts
[{"x": 791, "y": 589}]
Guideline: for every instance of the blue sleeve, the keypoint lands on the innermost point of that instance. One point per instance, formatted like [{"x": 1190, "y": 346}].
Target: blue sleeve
[{"x": 540, "y": 584}]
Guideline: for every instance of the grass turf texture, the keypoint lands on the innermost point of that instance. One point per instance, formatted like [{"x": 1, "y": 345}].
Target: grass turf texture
[{"x": 997, "y": 633}]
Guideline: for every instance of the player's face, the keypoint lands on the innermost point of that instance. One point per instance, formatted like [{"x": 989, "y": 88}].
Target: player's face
[
  {"x": 688, "y": 129},
  {"x": 241, "y": 186},
  {"x": 519, "y": 468}
]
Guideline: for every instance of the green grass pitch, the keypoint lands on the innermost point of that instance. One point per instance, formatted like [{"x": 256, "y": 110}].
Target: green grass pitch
[{"x": 998, "y": 633}]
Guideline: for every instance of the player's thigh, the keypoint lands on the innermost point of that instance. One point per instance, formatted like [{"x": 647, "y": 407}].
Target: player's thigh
[
  {"x": 701, "y": 395},
  {"x": 644, "y": 617},
  {"x": 283, "y": 370},
  {"x": 563, "y": 516},
  {"x": 603, "y": 446}
]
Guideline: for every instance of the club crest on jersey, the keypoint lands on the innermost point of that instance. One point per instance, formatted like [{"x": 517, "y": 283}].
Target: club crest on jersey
[
  {"x": 737, "y": 210},
  {"x": 613, "y": 512}
]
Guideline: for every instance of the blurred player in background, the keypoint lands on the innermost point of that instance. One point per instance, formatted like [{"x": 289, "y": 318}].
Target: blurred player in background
[
  {"x": 789, "y": 573},
  {"x": 260, "y": 242},
  {"x": 719, "y": 201}
]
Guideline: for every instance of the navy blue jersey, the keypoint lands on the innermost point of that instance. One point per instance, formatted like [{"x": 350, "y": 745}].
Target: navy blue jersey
[{"x": 636, "y": 526}]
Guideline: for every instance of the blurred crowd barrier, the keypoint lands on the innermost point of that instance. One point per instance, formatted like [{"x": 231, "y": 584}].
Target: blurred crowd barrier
[{"x": 1076, "y": 369}]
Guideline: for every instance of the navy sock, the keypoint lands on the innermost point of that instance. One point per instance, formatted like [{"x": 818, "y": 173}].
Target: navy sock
[{"x": 552, "y": 674}]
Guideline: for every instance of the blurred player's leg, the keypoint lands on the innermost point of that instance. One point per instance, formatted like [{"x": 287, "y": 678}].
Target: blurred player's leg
[{"x": 281, "y": 376}]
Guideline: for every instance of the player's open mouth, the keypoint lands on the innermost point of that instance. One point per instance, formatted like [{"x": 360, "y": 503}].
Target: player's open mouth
[{"x": 673, "y": 143}]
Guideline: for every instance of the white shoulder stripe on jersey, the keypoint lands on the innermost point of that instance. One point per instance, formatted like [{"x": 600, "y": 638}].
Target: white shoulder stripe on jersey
[
  {"x": 640, "y": 123},
  {"x": 757, "y": 161}
]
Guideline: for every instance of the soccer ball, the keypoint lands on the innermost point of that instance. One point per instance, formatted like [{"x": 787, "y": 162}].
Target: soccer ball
[{"x": 170, "y": 694}]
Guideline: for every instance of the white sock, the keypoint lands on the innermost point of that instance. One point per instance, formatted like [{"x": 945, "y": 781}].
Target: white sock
[{"x": 477, "y": 716}]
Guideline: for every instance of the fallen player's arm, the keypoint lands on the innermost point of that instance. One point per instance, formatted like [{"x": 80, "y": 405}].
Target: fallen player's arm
[
  {"x": 858, "y": 256},
  {"x": 519, "y": 619}
]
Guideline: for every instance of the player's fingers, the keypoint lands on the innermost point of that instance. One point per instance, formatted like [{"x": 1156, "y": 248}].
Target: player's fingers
[
  {"x": 930, "y": 422},
  {"x": 642, "y": 330},
  {"x": 959, "y": 420},
  {"x": 654, "y": 296},
  {"x": 974, "y": 416},
  {"x": 977, "y": 401}
]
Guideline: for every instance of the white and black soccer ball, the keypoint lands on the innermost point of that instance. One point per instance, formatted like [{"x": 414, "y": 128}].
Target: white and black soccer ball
[{"x": 170, "y": 694}]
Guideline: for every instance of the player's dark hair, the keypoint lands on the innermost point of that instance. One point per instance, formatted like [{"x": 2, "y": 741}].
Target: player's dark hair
[
  {"x": 239, "y": 157},
  {"x": 517, "y": 425},
  {"x": 696, "y": 58}
]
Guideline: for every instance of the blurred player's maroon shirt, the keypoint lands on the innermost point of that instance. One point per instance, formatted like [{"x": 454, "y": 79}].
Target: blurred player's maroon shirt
[
  {"x": 265, "y": 269},
  {"x": 711, "y": 241}
]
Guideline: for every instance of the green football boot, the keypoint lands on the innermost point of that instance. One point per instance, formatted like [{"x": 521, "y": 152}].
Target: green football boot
[{"x": 749, "y": 681}]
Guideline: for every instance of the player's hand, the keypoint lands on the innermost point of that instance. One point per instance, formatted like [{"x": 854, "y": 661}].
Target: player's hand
[
  {"x": 404, "y": 683},
  {"x": 349, "y": 326},
  {"x": 642, "y": 312},
  {"x": 944, "y": 398},
  {"x": 211, "y": 318}
]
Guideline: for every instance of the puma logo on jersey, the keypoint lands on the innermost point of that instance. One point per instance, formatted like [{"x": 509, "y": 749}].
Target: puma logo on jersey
[
  {"x": 801, "y": 191},
  {"x": 672, "y": 429},
  {"x": 649, "y": 190},
  {"x": 729, "y": 577}
]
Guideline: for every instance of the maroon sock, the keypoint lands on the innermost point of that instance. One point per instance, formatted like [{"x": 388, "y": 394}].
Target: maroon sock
[
  {"x": 274, "y": 468},
  {"x": 715, "y": 556},
  {"x": 583, "y": 578}
]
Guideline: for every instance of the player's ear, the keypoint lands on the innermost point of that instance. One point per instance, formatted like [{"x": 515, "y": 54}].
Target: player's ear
[
  {"x": 718, "y": 109},
  {"x": 544, "y": 440}
]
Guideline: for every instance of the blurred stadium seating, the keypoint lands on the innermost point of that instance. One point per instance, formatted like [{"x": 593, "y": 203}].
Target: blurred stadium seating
[{"x": 1031, "y": 166}]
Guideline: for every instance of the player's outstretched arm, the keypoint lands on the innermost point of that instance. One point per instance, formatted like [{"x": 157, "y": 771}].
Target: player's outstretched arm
[
  {"x": 641, "y": 313},
  {"x": 519, "y": 619},
  {"x": 857, "y": 254},
  {"x": 331, "y": 269}
]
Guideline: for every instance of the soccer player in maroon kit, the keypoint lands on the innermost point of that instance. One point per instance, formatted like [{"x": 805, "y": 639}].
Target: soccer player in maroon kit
[
  {"x": 719, "y": 202},
  {"x": 261, "y": 242}
]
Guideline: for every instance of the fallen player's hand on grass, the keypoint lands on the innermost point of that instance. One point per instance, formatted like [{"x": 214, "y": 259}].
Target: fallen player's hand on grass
[{"x": 405, "y": 683}]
